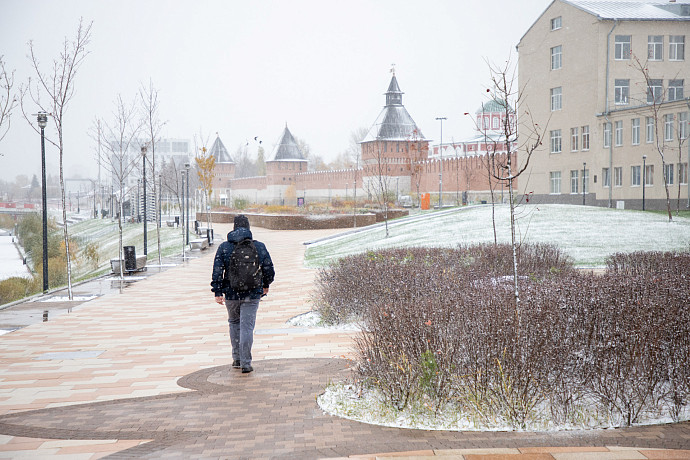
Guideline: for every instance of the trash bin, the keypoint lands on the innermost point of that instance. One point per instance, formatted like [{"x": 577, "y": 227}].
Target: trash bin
[
  {"x": 209, "y": 235},
  {"x": 130, "y": 258},
  {"x": 177, "y": 221}
]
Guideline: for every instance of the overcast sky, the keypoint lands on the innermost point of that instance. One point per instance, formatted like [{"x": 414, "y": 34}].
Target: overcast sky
[{"x": 245, "y": 68}]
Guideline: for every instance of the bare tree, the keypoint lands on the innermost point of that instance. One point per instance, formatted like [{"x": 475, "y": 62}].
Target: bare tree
[
  {"x": 245, "y": 166},
  {"x": 119, "y": 138},
  {"x": 379, "y": 186},
  {"x": 503, "y": 92},
  {"x": 7, "y": 99},
  {"x": 58, "y": 86},
  {"x": 205, "y": 164},
  {"x": 148, "y": 98},
  {"x": 655, "y": 96},
  {"x": 417, "y": 156}
]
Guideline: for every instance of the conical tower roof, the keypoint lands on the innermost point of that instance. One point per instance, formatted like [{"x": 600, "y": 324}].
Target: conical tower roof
[
  {"x": 287, "y": 148},
  {"x": 219, "y": 151},
  {"x": 394, "y": 123}
]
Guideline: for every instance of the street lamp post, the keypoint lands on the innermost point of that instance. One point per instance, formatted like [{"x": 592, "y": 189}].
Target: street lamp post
[
  {"x": 584, "y": 171},
  {"x": 160, "y": 203},
  {"x": 644, "y": 176},
  {"x": 143, "y": 158},
  {"x": 42, "y": 119},
  {"x": 440, "y": 176},
  {"x": 186, "y": 167}
]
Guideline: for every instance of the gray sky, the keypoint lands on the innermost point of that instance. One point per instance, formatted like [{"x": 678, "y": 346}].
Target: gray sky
[{"x": 245, "y": 68}]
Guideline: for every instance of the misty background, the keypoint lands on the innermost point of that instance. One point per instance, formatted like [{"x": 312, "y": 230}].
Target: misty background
[{"x": 245, "y": 69}]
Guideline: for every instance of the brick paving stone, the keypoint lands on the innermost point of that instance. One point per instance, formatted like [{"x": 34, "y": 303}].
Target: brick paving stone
[{"x": 145, "y": 374}]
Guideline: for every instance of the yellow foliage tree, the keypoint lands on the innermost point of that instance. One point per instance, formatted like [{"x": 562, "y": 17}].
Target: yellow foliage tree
[{"x": 206, "y": 165}]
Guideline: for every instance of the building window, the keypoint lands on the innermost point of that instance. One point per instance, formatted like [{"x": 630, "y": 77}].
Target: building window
[
  {"x": 574, "y": 181},
  {"x": 619, "y": 133},
  {"x": 668, "y": 174},
  {"x": 495, "y": 122},
  {"x": 621, "y": 91},
  {"x": 556, "y": 141},
  {"x": 650, "y": 129},
  {"x": 555, "y": 177},
  {"x": 585, "y": 181},
  {"x": 682, "y": 173},
  {"x": 676, "y": 47},
  {"x": 683, "y": 125},
  {"x": 668, "y": 127},
  {"x": 675, "y": 90},
  {"x": 606, "y": 177},
  {"x": 655, "y": 47},
  {"x": 556, "y": 99},
  {"x": 556, "y": 23},
  {"x": 635, "y": 176},
  {"x": 574, "y": 139},
  {"x": 585, "y": 138},
  {"x": 649, "y": 175},
  {"x": 618, "y": 176},
  {"x": 622, "y": 47},
  {"x": 635, "y": 131},
  {"x": 607, "y": 134},
  {"x": 655, "y": 91},
  {"x": 556, "y": 57}
]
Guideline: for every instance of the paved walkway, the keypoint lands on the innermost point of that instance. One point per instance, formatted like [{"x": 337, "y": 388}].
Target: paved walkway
[{"x": 144, "y": 374}]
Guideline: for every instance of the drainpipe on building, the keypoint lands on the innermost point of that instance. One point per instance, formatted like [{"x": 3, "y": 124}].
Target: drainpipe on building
[{"x": 606, "y": 111}]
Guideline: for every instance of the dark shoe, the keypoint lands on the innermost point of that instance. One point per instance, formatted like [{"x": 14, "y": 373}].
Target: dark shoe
[
  {"x": 247, "y": 370},
  {"x": 236, "y": 364}
]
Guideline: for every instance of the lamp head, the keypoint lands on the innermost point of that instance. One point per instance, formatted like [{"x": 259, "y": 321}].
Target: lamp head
[
  {"x": 644, "y": 157},
  {"x": 42, "y": 118},
  {"x": 143, "y": 151}
]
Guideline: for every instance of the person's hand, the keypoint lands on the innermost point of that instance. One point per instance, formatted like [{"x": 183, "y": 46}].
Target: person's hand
[
  {"x": 220, "y": 300},
  {"x": 265, "y": 291}
]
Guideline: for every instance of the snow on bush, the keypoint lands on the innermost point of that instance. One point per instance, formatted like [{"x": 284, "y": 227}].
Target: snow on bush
[{"x": 440, "y": 330}]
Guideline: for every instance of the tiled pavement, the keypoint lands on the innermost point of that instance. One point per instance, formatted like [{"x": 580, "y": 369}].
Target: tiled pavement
[{"x": 144, "y": 374}]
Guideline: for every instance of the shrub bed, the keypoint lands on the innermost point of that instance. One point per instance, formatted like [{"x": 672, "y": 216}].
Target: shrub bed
[{"x": 441, "y": 328}]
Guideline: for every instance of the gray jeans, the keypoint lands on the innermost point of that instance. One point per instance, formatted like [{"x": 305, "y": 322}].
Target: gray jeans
[{"x": 241, "y": 318}]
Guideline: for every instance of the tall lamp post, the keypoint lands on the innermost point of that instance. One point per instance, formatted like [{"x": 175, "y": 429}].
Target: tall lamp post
[
  {"x": 160, "y": 202},
  {"x": 143, "y": 166},
  {"x": 644, "y": 176},
  {"x": 186, "y": 167},
  {"x": 182, "y": 215},
  {"x": 42, "y": 119},
  {"x": 584, "y": 172},
  {"x": 440, "y": 176}
]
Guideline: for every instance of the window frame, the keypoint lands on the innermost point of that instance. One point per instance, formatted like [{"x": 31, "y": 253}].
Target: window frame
[
  {"x": 554, "y": 182},
  {"x": 606, "y": 177},
  {"x": 675, "y": 90},
  {"x": 676, "y": 49},
  {"x": 635, "y": 175},
  {"x": 556, "y": 23},
  {"x": 668, "y": 173},
  {"x": 649, "y": 130},
  {"x": 557, "y": 57},
  {"x": 621, "y": 91},
  {"x": 574, "y": 139},
  {"x": 655, "y": 49},
  {"x": 655, "y": 91},
  {"x": 556, "y": 138},
  {"x": 585, "y": 138},
  {"x": 621, "y": 51},
  {"x": 556, "y": 98},
  {"x": 669, "y": 121},
  {"x": 649, "y": 175},
  {"x": 618, "y": 176},
  {"x": 607, "y": 134},
  {"x": 618, "y": 133},
  {"x": 574, "y": 180},
  {"x": 635, "y": 127}
]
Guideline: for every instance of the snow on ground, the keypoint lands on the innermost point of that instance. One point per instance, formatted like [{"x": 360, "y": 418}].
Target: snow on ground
[
  {"x": 11, "y": 263},
  {"x": 588, "y": 234}
]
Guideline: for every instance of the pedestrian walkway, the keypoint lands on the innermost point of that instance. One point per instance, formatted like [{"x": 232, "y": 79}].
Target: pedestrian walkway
[{"x": 145, "y": 374}]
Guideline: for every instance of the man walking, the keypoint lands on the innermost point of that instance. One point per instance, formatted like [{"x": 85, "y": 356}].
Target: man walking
[{"x": 242, "y": 274}]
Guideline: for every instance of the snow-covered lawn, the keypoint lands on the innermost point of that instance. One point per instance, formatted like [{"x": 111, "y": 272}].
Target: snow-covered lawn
[{"x": 587, "y": 234}]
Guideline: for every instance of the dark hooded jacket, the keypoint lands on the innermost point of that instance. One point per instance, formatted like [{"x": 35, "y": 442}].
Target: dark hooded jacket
[{"x": 218, "y": 284}]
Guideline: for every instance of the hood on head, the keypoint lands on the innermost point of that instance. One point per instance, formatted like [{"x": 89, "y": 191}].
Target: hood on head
[{"x": 240, "y": 234}]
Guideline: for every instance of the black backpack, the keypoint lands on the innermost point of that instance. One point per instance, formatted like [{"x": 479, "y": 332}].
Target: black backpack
[{"x": 243, "y": 272}]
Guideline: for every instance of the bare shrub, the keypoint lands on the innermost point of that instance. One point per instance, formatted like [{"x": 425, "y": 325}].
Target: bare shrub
[{"x": 440, "y": 328}]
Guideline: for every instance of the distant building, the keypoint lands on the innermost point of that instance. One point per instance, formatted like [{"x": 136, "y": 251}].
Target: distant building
[
  {"x": 394, "y": 148},
  {"x": 580, "y": 79}
]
